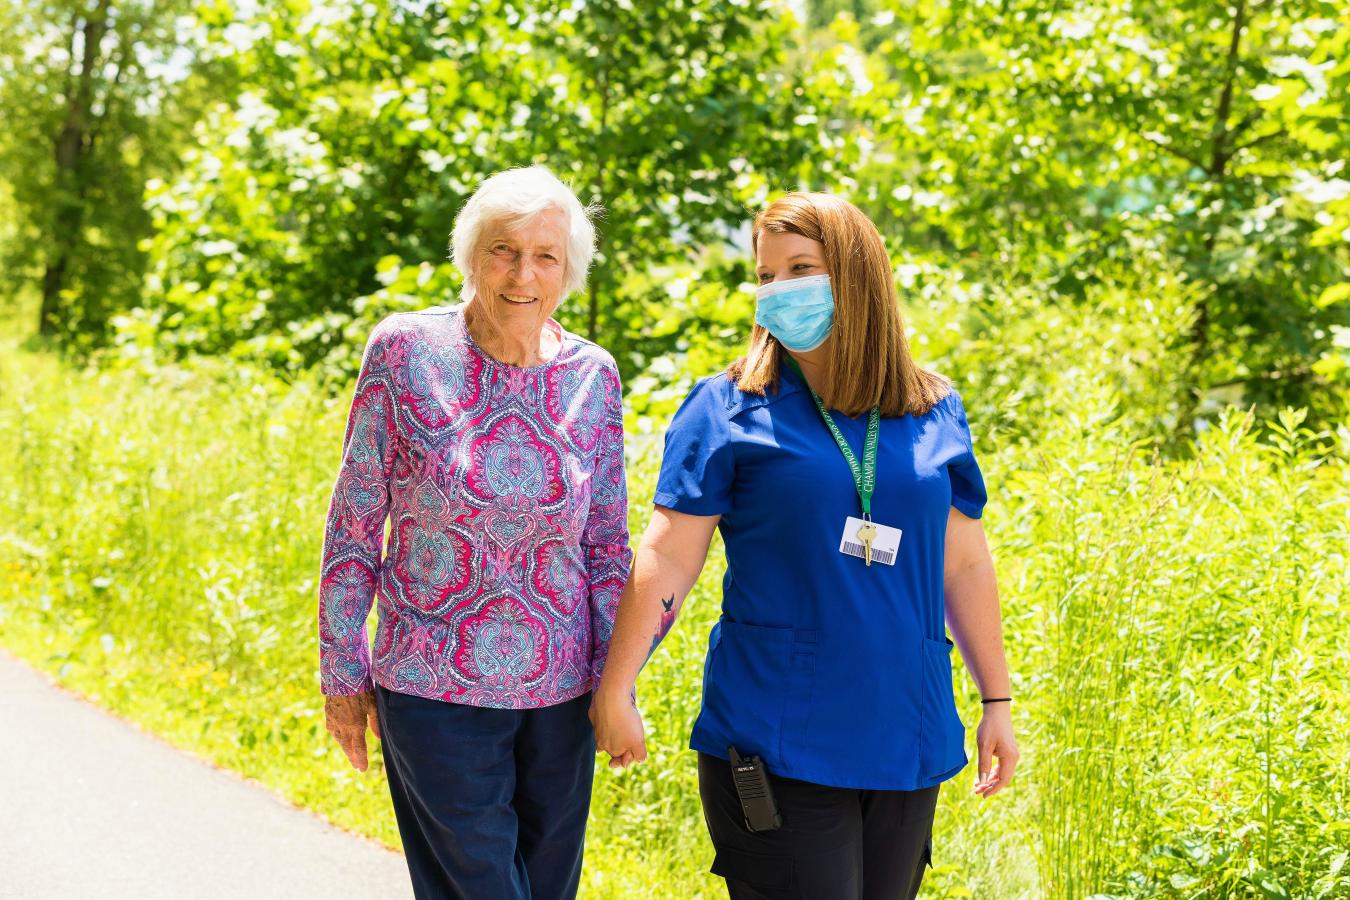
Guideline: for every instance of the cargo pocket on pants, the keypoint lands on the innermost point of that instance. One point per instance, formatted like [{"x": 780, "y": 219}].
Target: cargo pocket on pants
[{"x": 763, "y": 871}]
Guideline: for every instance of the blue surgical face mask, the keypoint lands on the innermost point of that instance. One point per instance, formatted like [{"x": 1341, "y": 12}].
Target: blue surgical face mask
[{"x": 799, "y": 312}]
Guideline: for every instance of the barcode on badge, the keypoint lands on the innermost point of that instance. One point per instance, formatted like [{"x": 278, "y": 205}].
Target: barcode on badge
[{"x": 885, "y": 557}]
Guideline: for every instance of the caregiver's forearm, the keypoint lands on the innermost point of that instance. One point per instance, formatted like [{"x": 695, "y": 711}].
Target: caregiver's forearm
[
  {"x": 665, "y": 567},
  {"x": 977, "y": 628}
]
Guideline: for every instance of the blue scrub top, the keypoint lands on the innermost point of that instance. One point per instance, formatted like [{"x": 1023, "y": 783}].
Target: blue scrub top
[{"x": 831, "y": 671}]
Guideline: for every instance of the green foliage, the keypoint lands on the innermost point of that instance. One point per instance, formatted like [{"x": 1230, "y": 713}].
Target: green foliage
[
  {"x": 1027, "y": 146},
  {"x": 1054, "y": 155},
  {"x": 93, "y": 93},
  {"x": 1185, "y": 612},
  {"x": 361, "y": 132},
  {"x": 1047, "y": 142},
  {"x": 1021, "y": 354}
]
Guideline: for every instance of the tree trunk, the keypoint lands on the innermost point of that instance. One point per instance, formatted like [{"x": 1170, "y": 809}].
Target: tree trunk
[
  {"x": 52, "y": 279},
  {"x": 1222, "y": 140},
  {"x": 70, "y": 148},
  {"x": 602, "y": 135}
]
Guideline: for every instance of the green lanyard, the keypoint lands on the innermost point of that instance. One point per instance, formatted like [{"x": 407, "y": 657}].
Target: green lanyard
[{"x": 864, "y": 476}]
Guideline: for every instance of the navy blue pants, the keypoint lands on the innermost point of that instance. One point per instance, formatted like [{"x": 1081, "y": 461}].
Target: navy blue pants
[{"x": 491, "y": 803}]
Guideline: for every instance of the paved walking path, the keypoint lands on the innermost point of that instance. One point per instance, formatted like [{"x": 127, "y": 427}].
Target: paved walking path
[{"x": 90, "y": 807}]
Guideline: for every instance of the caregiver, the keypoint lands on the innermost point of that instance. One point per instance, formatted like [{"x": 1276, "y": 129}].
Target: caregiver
[{"x": 843, "y": 481}]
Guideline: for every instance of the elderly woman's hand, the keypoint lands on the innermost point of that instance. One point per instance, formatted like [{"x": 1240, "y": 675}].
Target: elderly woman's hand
[
  {"x": 618, "y": 728},
  {"x": 346, "y": 719}
]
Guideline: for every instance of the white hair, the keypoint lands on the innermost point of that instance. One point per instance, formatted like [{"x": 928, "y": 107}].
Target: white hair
[{"x": 514, "y": 197}]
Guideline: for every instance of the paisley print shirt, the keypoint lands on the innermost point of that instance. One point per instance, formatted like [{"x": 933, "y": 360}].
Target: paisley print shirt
[{"x": 506, "y": 497}]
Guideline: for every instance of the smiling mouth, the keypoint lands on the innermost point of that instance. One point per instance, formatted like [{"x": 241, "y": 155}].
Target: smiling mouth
[{"x": 518, "y": 299}]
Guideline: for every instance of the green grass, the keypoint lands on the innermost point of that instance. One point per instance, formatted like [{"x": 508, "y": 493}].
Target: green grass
[{"x": 1175, "y": 629}]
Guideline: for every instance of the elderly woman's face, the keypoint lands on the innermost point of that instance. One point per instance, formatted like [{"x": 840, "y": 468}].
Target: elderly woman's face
[{"x": 521, "y": 269}]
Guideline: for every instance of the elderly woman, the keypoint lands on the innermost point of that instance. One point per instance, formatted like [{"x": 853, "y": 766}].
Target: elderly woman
[{"x": 492, "y": 440}]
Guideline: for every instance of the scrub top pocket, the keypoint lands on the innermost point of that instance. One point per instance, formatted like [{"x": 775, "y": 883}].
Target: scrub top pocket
[
  {"x": 743, "y": 693},
  {"x": 942, "y": 740}
]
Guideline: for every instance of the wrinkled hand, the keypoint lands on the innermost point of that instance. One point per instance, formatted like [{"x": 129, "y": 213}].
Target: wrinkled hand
[
  {"x": 994, "y": 738},
  {"x": 618, "y": 729},
  {"x": 346, "y": 719}
]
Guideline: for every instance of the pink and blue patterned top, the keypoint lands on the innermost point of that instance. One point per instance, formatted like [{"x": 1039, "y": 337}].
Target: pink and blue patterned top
[{"x": 507, "y": 501}]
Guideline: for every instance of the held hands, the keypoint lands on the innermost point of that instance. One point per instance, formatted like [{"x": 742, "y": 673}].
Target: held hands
[
  {"x": 346, "y": 719},
  {"x": 618, "y": 728},
  {"x": 994, "y": 738}
]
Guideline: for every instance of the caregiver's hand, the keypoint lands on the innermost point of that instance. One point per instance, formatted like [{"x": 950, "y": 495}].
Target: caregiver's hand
[
  {"x": 994, "y": 739},
  {"x": 346, "y": 719},
  {"x": 618, "y": 728}
]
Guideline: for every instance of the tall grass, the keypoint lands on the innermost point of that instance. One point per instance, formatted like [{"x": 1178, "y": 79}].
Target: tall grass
[
  {"x": 1174, "y": 628},
  {"x": 1186, "y": 674}
]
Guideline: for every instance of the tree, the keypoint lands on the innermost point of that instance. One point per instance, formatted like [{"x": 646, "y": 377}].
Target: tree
[
  {"x": 85, "y": 88},
  {"x": 1049, "y": 140},
  {"x": 359, "y": 134}
]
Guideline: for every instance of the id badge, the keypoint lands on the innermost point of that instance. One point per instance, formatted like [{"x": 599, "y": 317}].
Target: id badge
[{"x": 885, "y": 544}]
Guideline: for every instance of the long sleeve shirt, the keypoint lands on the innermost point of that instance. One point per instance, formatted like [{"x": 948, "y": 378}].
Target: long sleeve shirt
[{"x": 506, "y": 497}]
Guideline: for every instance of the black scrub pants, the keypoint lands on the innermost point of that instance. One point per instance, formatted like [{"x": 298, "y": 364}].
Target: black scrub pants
[
  {"x": 491, "y": 803},
  {"x": 835, "y": 843}
]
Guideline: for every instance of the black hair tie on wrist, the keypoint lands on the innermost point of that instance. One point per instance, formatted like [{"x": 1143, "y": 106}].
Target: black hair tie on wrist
[{"x": 998, "y": 700}]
